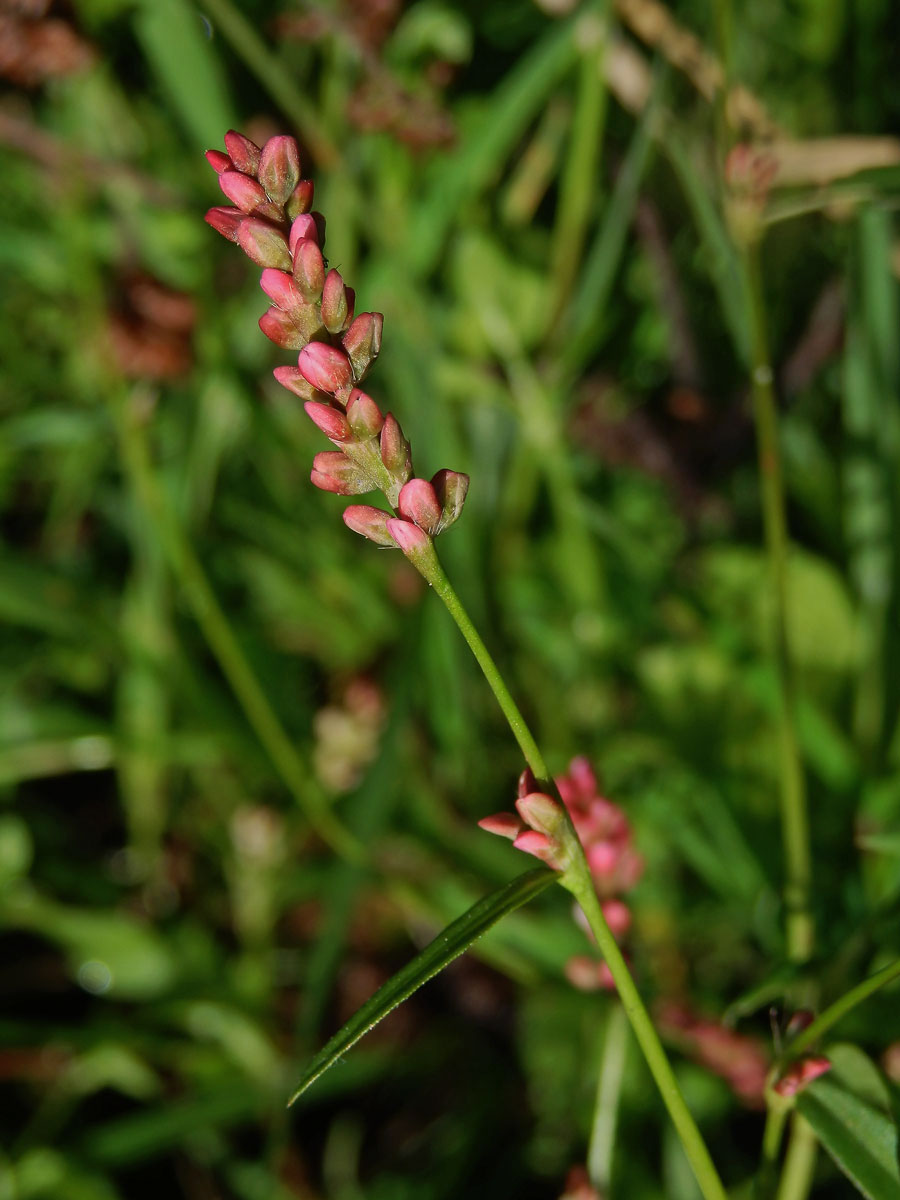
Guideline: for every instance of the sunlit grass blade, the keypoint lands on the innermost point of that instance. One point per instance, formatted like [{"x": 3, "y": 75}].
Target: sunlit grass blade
[
  {"x": 860, "y": 1139},
  {"x": 447, "y": 946}
]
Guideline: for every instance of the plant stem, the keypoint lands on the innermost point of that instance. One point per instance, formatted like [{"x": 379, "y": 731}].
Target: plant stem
[
  {"x": 606, "y": 1105},
  {"x": 799, "y": 930},
  {"x": 799, "y": 1162},
  {"x": 577, "y": 879},
  {"x": 220, "y": 637}
]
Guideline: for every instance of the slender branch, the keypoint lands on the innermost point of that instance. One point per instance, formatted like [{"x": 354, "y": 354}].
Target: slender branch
[
  {"x": 606, "y": 1105},
  {"x": 839, "y": 1009}
]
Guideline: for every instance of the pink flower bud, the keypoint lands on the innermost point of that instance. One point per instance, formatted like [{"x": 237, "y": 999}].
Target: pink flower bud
[
  {"x": 334, "y": 472},
  {"x": 332, "y": 423},
  {"x": 532, "y": 841},
  {"x": 242, "y": 191},
  {"x": 527, "y": 783},
  {"x": 541, "y": 812},
  {"x": 395, "y": 452},
  {"x": 303, "y": 226},
  {"x": 263, "y": 243},
  {"x": 365, "y": 417},
  {"x": 244, "y": 153},
  {"x": 362, "y": 341},
  {"x": 290, "y": 378},
  {"x": 503, "y": 824},
  {"x": 335, "y": 309},
  {"x": 801, "y": 1074},
  {"x": 279, "y": 287},
  {"x": 370, "y": 522},
  {"x": 300, "y": 199},
  {"x": 418, "y": 503},
  {"x": 325, "y": 367},
  {"x": 412, "y": 540},
  {"x": 225, "y": 220},
  {"x": 799, "y": 1021},
  {"x": 218, "y": 161},
  {"x": 309, "y": 269},
  {"x": 280, "y": 329},
  {"x": 450, "y": 487},
  {"x": 279, "y": 168}
]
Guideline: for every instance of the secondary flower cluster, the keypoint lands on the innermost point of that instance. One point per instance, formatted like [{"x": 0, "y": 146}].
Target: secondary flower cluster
[
  {"x": 312, "y": 311},
  {"x": 537, "y": 827}
]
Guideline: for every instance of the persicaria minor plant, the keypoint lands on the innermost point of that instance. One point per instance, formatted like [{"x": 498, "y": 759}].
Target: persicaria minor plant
[{"x": 582, "y": 839}]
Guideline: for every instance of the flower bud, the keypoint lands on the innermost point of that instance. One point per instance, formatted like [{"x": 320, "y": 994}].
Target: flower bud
[
  {"x": 370, "y": 522},
  {"x": 413, "y": 541},
  {"x": 332, "y": 423},
  {"x": 325, "y": 367},
  {"x": 279, "y": 168},
  {"x": 527, "y": 783},
  {"x": 279, "y": 287},
  {"x": 335, "y": 308},
  {"x": 503, "y": 824},
  {"x": 362, "y": 341},
  {"x": 218, "y": 161},
  {"x": 300, "y": 199},
  {"x": 309, "y": 269},
  {"x": 290, "y": 378},
  {"x": 541, "y": 812},
  {"x": 334, "y": 472},
  {"x": 302, "y": 226},
  {"x": 225, "y": 220},
  {"x": 801, "y": 1074},
  {"x": 395, "y": 451},
  {"x": 280, "y": 329},
  {"x": 541, "y": 846},
  {"x": 450, "y": 487},
  {"x": 263, "y": 243},
  {"x": 365, "y": 417},
  {"x": 244, "y": 153},
  {"x": 243, "y": 191},
  {"x": 418, "y": 503}
]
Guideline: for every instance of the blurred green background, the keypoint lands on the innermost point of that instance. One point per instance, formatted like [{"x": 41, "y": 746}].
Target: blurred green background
[{"x": 531, "y": 194}]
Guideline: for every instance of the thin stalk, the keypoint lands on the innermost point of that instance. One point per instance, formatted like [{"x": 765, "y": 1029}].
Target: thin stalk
[
  {"x": 220, "y": 637},
  {"x": 577, "y": 879},
  {"x": 606, "y": 1105},
  {"x": 799, "y": 1162},
  {"x": 799, "y": 927},
  {"x": 834, "y": 1012},
  {"x": 776, "y": 1117}
]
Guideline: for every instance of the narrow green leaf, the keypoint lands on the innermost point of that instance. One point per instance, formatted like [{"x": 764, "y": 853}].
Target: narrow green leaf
[
  {"x": 860, "y": 1139},
  {"x": 448, "y": 945}
]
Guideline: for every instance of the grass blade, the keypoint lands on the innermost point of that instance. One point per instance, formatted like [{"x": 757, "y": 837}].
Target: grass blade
[{"x": 860, "y": 1139}]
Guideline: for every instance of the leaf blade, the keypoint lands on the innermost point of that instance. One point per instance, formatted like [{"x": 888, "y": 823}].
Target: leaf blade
[{"x": 860, "y": 1139}]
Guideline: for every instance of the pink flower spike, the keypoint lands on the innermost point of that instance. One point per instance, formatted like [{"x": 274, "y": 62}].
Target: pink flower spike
[
  {"x": 290, "y": 378},
  {"x": 309, "y": 269},
  {"x": 225, "y": 220},
  {"x": 280, "y": 329},
  {"x": 325, "y": 367},
  {"x": 503, "y": 824},
  {"x": 332, "y": 423},
  {"x": 218, "y": 161},
  {"x": 371, "y": 522},
  {"x": 263, "y": 243},
  {"x": 279, "y": 168},
  {"x": 410, "y": 538},
  {"x": 365, "y": 417},
  {"x": 302, "y": 226},
  {"x": 801, "y": 1074},
  {"x": 242, "y": 191},
  {"x": 334, "y": 472},
  {"x": 300, "y": 199},
  {"x": 418, "y": 503},
  {"x": 244, "y": 153},
  {"x": 279, "y": 287}
]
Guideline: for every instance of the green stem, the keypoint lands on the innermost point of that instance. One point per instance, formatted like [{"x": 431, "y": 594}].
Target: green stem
[
  {"x": 577, "y": 879},
  {"x": 799, "y": 1162},
  {"x": 606, "y": 1105},
  {"x": 839, "y": 1009},
  {"x": 220, "y": 637},
  {"x": 776, "y": 1116},
  {"x": 262, "y": 61},
  {"x": 799, "y": 932}
]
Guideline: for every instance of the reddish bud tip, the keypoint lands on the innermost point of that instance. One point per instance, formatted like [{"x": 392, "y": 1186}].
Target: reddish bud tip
[
  {"x": 332, "y": 423},
  {"x": 309, "y": 269},
  {"x": 335, "y": 309},
  {"x": 451, "y": 488},
  {"x": 279, "y": 168},
  {"x": 503, "y": 824},
  {"x": 279, "y": 287},
  {"x": 303, "y": 227},
  {"x": 370, "y": 522},
  {"x": 264, "y": 244},
  {"x": 225, "y": 220},
  {"x": 290, "y": 378},
  {"x": 418, "y": 503},
  {"x": 280, "y": 329},
  {"x": 325, "y": 367},
  {"x": 801, "y": 1074},
  {"x": 300, "y": 199},
  {"x": 365, "y": 417},
  {"x": 541, "y": 812},
  {"x": 362, "y": 341},
  {"x": 410, "y": 538},
  {"x": 334, "y": 472},
  {"x": 527, "y": 783},
  {"x": 244, "y": 153},
  {"x": 532, "y": 841},
  {"x": 395, "y": 452},
  {"x": 218, "y": 161},
  {"x": 242, "y": 191}
]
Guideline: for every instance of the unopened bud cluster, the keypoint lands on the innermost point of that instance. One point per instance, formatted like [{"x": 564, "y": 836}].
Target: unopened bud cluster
[
  {"x": 538, "y": 827},
  {"x": 312, "y": 311}
]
